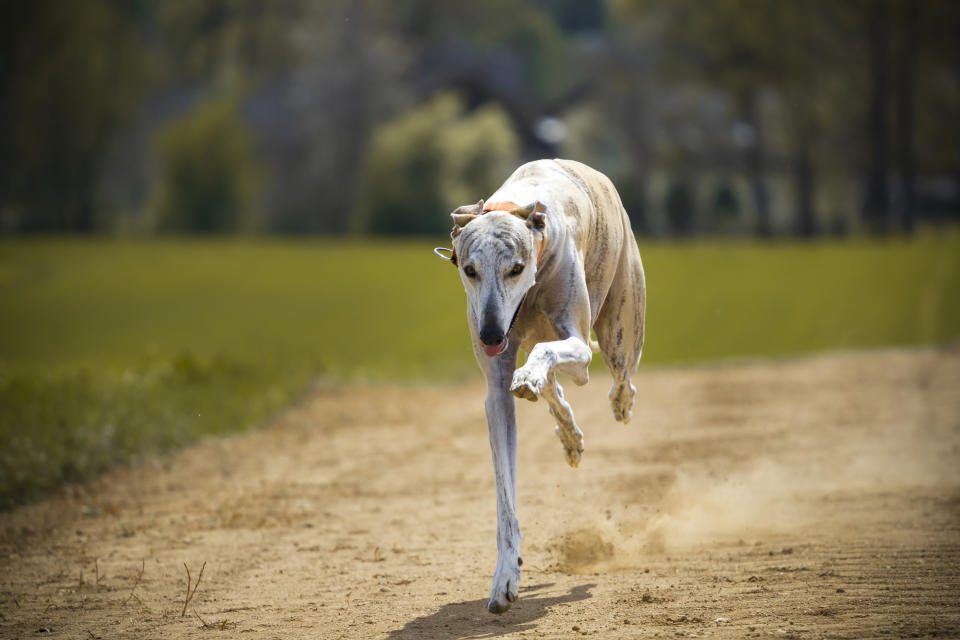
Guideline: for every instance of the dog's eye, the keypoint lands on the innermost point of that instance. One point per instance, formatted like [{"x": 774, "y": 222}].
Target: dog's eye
[
  {"x": 469, "y": 271},
  {"x": 517, "y": 269}
]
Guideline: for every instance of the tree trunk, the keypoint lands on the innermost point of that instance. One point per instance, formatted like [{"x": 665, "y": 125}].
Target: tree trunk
[
  {"x": 634, "y": 123},
  {"x": 906, "y": 98},
  {"x": 350, "y": 119},
  {"x": 756, "y": 160},
  {"x": 876, "y": 205},
  {"x": 803, "y": 174}
]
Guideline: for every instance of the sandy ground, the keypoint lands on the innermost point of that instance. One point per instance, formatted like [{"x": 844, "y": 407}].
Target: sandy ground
[{"x": 814, "y": 498}]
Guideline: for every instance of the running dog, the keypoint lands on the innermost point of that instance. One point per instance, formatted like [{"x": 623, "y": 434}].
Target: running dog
[{"x": 549, "y": 256}]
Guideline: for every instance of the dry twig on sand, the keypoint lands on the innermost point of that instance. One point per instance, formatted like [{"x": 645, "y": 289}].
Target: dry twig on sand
[
  {"x": 143, "y": 565},
  {"x": 222, "y": 625},
  {"x": 190, "y": 593}
]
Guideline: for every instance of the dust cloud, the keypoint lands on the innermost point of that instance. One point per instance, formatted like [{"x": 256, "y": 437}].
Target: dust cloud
[{"x": 794, "y": 486}]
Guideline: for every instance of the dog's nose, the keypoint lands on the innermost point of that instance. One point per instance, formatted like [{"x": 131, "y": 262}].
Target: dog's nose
[{"x": 491, "y": 336}]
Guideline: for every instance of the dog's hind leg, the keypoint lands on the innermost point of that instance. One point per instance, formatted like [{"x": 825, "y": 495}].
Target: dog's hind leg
[
  {"x": 567, "y": 430},
  {"x": 620, "y": 327}
]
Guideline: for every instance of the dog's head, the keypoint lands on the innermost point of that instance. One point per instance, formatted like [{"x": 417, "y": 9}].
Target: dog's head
[{"x": 496, "y": 254}]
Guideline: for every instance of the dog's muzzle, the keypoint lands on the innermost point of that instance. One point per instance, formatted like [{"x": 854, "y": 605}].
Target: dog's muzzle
[{"x": 494, "y": 343}]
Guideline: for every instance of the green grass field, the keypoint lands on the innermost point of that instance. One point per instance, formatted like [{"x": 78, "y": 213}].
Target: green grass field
[{"x": 111, "y": 349}]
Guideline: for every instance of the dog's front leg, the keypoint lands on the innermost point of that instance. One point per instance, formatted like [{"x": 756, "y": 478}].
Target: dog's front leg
[
  {"x": 571, "y": 356},
  {"x": 502, "y": 425},
  {"x": 569, "y": 313}
]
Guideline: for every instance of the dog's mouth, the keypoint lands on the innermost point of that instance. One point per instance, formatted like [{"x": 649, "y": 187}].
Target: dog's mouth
[{"x": 493, "y": 350}]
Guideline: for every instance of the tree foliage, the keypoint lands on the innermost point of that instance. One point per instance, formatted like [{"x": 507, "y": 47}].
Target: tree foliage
[
  {"x": 72, "y": 73},
  {"x": 813, "y": 108},
  {"x": 431, "y": 160},
  {"x": 209, "y": 175}
]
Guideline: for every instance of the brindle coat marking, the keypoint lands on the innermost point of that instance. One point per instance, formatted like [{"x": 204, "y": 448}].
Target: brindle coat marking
[{"x": 589, "y": 275}]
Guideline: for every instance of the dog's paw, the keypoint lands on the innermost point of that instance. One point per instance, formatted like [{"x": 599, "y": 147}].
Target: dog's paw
[
  {"x": 621, "y": 400},
  {"x": 572, "y": 446},
  {"x": 573, "y": 457},
  {"x": 506, "y": 585},
  {"x": 527, "y": 384}
]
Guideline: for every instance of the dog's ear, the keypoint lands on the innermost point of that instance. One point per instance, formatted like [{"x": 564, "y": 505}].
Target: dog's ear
[
  {"x": 462, "y": 216},
  {"x": 537, "y": 220},
  {"x": 534, "y": 213}
]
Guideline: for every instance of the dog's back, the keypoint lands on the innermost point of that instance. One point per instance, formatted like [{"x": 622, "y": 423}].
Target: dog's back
[{"x": 584, "y": 208}]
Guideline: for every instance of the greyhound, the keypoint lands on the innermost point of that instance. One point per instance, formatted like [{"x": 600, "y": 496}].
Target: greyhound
[{"x": 538, "y": 275}]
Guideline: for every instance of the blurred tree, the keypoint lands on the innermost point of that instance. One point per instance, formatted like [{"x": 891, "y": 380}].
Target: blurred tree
[
  {"x": 732, "y": 44},
  {"x": 625, "y": 101},
  {"x": 906, "y": 92},
  {"x": 209, "y": 176},
  {"x": 576, "y": 16},
  {"x": 936, "y": 134},
  {"x": 346, "y": 82},
  {"x": 432, "y": 159},
  {"x": 230, "y": 43},
  {"x": 680, "y": 209},
  {"x": 797, "y": 53},
  {"x": 725, "y": 206},
  {"x": 72, "y": 72},
  {"x": 876, "y": 205},
  {"x": 841, "y": 96},
  {"x": 524, "y": 63},
  {"x": 907, "y": 44},
  {"x": 811, "y": 43}
]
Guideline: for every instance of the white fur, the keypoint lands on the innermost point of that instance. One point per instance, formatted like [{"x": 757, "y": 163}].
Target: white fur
[{"x": 590, "y": 275}]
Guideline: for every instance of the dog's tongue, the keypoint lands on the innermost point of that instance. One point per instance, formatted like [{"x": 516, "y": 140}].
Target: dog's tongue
[{"x": 494, "y": 350}]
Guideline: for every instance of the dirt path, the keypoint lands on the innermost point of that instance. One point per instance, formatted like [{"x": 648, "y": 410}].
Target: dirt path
[{"x": 816, "y": 498}]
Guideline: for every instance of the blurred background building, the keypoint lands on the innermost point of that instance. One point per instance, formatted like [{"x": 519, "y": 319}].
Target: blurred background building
[{"x": 741, "y": 117}]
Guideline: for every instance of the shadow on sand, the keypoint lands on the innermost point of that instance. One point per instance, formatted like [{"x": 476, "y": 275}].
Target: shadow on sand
[{"x": 472, "y": 620}]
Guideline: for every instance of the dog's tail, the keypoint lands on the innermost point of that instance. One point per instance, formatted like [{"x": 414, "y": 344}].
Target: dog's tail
[{"x": 594, "y": 346}]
